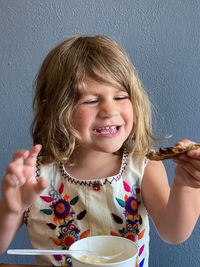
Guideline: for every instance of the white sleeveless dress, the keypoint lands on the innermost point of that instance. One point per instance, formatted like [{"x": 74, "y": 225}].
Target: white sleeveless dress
[{"x": 71, "y": 209}]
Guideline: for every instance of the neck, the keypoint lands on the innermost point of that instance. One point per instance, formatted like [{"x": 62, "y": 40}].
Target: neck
[
  {"x": 94, "y": 164},
  {"x": 86, "y": 158}
]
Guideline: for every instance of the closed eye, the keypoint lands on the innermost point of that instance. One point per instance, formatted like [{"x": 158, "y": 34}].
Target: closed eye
[
  {"x": 92, "y": 101},
  {"x": 122, "y": 97}
]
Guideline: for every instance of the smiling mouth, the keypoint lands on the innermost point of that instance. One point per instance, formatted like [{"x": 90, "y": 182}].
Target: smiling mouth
[{"x": 108, "y": 130}]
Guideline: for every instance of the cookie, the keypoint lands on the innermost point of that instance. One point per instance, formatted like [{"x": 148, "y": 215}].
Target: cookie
[{"x": 170, "y": 152}]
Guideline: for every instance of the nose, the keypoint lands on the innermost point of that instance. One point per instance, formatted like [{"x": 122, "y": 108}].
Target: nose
[{"x": 108, "y": 109}]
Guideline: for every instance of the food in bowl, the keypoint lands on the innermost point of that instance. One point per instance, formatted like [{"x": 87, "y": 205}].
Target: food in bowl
[
  {"x": 104, "y": 245},
  {"x": 87, "y": 259}
]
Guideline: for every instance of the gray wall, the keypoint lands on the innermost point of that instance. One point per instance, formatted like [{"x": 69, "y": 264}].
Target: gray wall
[{"x": 162, "y": 39}]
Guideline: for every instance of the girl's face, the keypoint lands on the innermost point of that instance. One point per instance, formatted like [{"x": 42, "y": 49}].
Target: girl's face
[{"x": 103, "y": 116}]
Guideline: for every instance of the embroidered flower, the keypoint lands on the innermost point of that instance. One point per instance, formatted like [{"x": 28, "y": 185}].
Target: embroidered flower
[
  {"x": 130, "y": 236},
  {"x": 131, "y": 205},
  {"x": 61, "y": 208},
  {"x": 68, "y": 239}
]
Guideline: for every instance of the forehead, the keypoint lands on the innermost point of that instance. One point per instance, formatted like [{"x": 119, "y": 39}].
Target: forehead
[{"x": 92, "y": 85}]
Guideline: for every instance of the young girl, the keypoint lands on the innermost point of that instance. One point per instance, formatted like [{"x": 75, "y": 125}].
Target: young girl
[{"x": 92, "y": 127}]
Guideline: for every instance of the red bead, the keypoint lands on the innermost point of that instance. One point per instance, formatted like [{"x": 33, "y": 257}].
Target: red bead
[{"x": 96, "y": 187}]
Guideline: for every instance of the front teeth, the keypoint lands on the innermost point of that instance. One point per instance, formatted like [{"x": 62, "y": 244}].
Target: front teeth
[{"x": 106, "y": 130}]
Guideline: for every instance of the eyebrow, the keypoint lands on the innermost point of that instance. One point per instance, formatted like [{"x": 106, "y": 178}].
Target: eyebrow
[{"x": 84, "y": 91}]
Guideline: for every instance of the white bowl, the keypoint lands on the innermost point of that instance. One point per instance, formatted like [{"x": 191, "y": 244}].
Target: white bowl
[{"x": 106, "y": 245}]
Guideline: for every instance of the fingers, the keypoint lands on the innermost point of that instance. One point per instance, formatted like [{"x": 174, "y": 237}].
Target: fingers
[
  {"x": 189, "y": 163},
  {"x": 190, "y": 158},
  {"x": 184, "y": 142},
  {"x": 14, "y": 176},
  {"x": 20, "y": 154},
  {"x": 40, "y": 185},
  {"x": 191, "y": 155},
  {"x": 195, "y": 154},
  {"x": 31, "y": 157},
  {"x": 188, "y": 175},
  {"x": 27, "y": 156},
  {"x": 22, "y": 166},
  {"x": 192, "y": 169},
  {"x": 12, "y": 180},
  {"x": 30, "y": 162}
]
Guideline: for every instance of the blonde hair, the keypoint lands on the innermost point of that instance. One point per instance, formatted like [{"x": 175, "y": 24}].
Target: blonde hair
[{"x": 57, "y": 91}]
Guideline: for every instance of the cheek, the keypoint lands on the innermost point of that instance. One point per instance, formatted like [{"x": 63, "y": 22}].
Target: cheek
[
  {"x": 77, "y": 121},
  {"x": 81, "y": 119},
  {"x": 128, "y": 114}
]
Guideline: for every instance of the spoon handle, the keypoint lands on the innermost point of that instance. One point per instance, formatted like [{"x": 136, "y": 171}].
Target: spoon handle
[{"x": 42, "y": 252}]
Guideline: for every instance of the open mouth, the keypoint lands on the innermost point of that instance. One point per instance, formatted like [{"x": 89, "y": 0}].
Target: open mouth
[{"x": 108, "y": 130}]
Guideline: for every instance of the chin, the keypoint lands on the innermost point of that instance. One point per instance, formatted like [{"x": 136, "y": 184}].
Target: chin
[{"x": 111, "y": 149}]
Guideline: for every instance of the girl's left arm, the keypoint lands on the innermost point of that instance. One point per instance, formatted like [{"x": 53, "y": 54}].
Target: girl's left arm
[{"x": 174, "y": 211}]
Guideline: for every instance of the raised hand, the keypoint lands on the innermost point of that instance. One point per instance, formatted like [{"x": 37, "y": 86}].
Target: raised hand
[
  {"x": 19, "y": 187},
  {"x": 187, "y": 171}
]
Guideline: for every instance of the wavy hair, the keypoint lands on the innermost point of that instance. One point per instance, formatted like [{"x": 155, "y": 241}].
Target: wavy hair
[{"x": 57, "y": 92}]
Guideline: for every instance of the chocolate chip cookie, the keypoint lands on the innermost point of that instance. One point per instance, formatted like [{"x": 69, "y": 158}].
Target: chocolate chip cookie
[{"x": 170, "y": 152}]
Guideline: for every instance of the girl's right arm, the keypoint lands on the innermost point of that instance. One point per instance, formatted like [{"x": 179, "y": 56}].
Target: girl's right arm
[
  {"x": 19, "y": 191},
  {"x": 174, "y": 210}
]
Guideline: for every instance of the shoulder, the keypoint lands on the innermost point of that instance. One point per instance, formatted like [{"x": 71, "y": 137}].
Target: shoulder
[
  {"x": 154, "y": 167},
  {"x": 154, "y": 174}
]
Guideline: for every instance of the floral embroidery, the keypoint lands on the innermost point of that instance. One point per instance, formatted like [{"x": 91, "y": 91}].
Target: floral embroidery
[
  {"x": 61, "y": 208},
  {"x": 131, "y": 203},
  {"x": 63, "y": 218},
  {"x": 131, "y": 206},
  {"x": 117, "y": 218}
]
